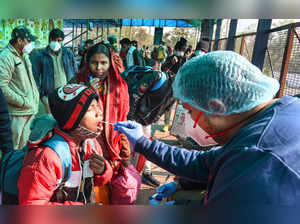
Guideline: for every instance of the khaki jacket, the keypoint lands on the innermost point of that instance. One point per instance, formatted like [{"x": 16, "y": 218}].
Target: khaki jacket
[{"x": 17, "y": 82}]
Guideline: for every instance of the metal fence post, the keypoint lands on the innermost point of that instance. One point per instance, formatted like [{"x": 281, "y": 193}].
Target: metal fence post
[
  {"x": 73, "y": 25},
  {"x": 286, "y": 59},
  {"x": 107, "y": 31},
  {"x": 87, "y": 30},
  {"x": 81, "y": 33},
  {"x": 261, "y": 42},
  {"x": 102, "y": 31},
  {"x": 217, "y": 36},
  {"x": 231, "y": 36}
]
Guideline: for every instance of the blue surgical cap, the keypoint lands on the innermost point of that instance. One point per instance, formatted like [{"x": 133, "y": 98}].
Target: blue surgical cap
[{"x": 223, "y": 82}]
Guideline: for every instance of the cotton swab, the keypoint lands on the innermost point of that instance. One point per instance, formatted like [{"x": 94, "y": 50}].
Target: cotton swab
[{"x": 106, "y": 122}]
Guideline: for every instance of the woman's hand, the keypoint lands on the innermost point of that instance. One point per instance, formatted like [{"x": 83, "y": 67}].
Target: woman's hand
[{"x": 94, "y": 83}]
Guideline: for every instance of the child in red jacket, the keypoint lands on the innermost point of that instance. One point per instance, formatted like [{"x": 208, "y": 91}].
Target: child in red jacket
[{"x": 79, "y": 120}]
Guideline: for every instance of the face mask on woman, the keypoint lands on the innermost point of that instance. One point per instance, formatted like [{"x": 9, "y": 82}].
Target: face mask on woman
[
  {"x": 55, "y": 45},
  {"x": 27, "y": 48},
  {"x": 197, "y": 133}
]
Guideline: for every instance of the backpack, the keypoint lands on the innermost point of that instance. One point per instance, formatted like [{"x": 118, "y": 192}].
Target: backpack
[
  {"x": 161, "y": 53},
  {"x": 150, "y": 93},
  {"x": 12, "y": 161}
]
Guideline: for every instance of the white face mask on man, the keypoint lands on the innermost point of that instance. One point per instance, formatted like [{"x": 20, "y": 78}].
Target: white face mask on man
[
  {"x": 55, "y": 45},
  {"x": 197, "y": 133},
  {"x": 179, "y": 53},
  {"x": 27, "y": 48}
]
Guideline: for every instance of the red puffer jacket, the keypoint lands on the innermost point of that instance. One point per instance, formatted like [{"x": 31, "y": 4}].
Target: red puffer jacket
[{"x": 42, "y": 172}]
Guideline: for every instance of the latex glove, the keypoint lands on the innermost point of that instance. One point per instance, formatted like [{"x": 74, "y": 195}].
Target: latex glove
[
  {"x": 167, "y": 189},
  {"x": 132, "y": 129},
  {"x": 97, "y": 164},
  {"x": 170, "y": 203}
]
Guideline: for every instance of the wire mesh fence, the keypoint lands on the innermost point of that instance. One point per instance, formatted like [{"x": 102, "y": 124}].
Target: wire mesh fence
[
  {"x": 274, "y": 55},
  {"x": 292, "y": 83},
  {"x": 282, "y": 60}
]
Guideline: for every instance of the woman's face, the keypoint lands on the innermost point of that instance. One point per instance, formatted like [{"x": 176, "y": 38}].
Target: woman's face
[
  {"x": 93, "y": 118},
  {"x": 99, "y": 65}
]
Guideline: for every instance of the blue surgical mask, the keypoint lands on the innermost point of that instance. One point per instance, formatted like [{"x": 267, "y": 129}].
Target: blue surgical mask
[
  {"x": 55, "y": 45},
  {"x": 28, "y": 48}
]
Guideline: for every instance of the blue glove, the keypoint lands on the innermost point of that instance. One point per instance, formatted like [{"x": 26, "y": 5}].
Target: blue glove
[
  {"x": 132, "y": 129},
  {"x": 167, "y": 189},
  {"x": 169, "y": 202}
]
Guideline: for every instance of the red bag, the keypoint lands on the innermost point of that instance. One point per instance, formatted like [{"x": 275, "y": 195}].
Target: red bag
[{"x": 125, "y": 186}]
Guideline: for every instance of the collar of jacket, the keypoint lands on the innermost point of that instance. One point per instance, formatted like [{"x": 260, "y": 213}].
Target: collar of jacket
[
  {"x": 131, "y": 49},
  {"x": 48, "y": 50},
  {"x": 14, "y": 50},
  {"x": 67, "y": 137}
]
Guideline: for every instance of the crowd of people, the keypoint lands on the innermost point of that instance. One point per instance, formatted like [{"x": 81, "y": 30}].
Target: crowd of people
[{"x": 86, "y": 157}]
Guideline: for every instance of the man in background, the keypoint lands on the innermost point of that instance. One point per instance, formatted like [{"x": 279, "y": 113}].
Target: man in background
[
  {"x": 54, "y": 67},
  {"x": 18, "y": 84}
]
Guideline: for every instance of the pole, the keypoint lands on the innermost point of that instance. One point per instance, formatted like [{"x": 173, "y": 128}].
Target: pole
[
  {"x": 107, "y": 31},
  {"x": 87, "y": 30},
  {"x": 231, "y": 35},
  {"x": 73, "y": 36},
  {"x": 120, "y": 33},
  {"x": 217, "y": 36},
  {"x": 195, "y": 42},
  {"x": 81, "y": 33},
  {"x": 130, "y": 32},
  {"x": 261, "y": 42},
  {"x": 102, "y": 31}
]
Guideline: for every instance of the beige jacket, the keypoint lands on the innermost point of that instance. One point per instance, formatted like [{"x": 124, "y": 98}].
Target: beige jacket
[{"x": 17, "y": 82}]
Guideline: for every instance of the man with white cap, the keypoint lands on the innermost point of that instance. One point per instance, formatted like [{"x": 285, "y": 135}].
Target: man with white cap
[{"x": 231, "y": 103}]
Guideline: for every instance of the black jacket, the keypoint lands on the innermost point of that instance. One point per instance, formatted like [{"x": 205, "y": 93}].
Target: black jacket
[
  {"x": 43, "y": 68},
  {"x": 168, "y": 66},
  {"x": 6, "y": 142}
]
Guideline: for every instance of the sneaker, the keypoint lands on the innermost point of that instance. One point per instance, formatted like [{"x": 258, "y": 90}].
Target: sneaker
[
  {"x": 166, "y": 128},
  {"x": 149, "y": 179}
]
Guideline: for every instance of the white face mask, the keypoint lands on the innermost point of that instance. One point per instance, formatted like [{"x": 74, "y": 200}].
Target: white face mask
[
  {"x": 27, "y": 48},
  {"x": 179, "y": 53},
  {"x": 197, "y": 133},
  {"x": 55, "y": 45}
]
